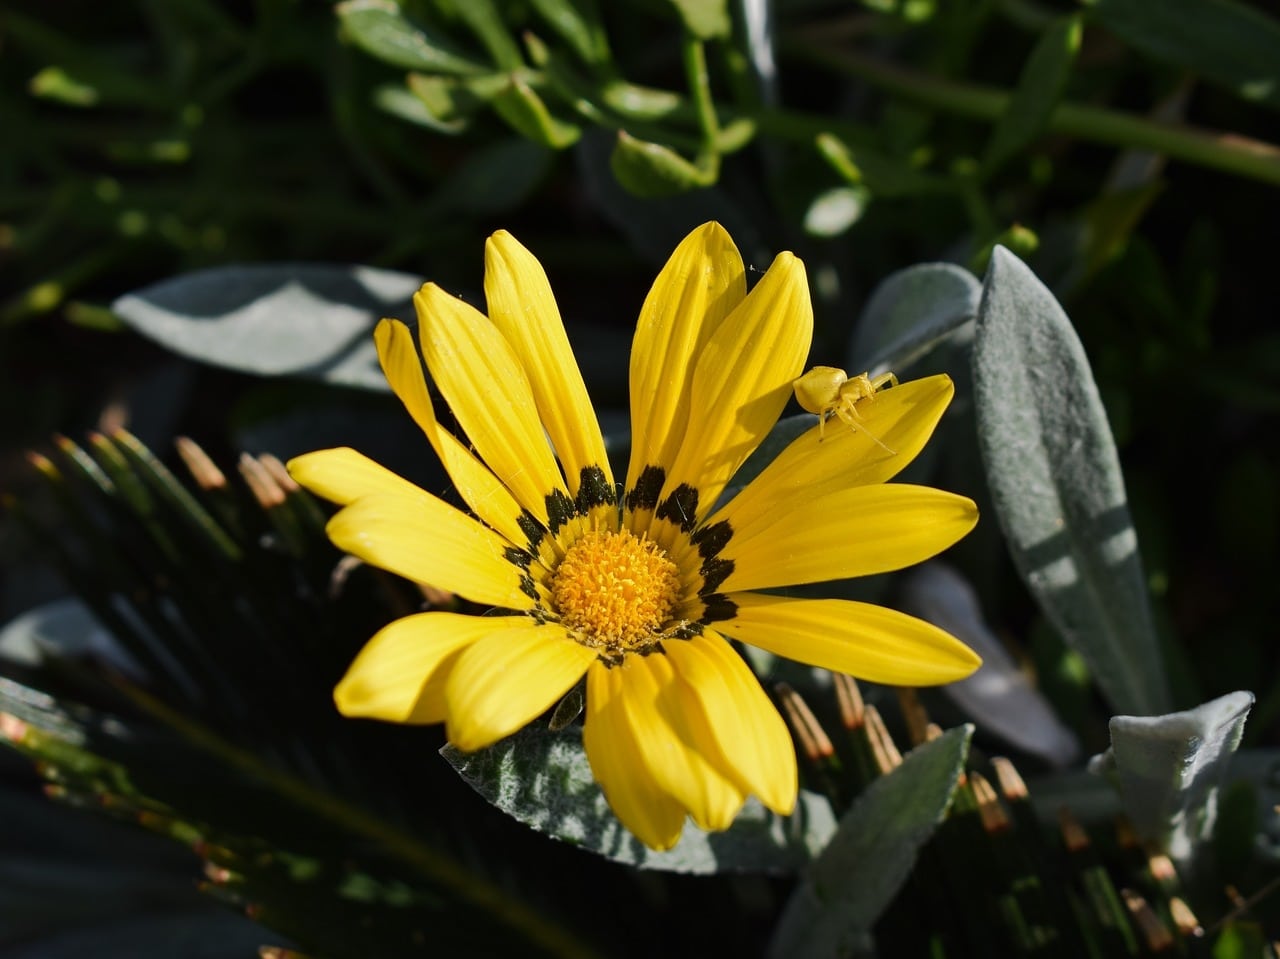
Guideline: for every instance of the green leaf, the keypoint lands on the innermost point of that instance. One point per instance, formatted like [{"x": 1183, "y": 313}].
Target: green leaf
[
  {"x": 705, "y": 19},
  {"x": 650, "y": 170},
  {"x": 485, "y": 22},
  {"x": 542, "y": 778},
  {"x": 655, "y": 226},
  {"x": 578, "y": 23},
  {"x": 1168, "y": 769},
  {"x": 524, "y": 111},
  {"x": 910, "y": 312},
  {"x": 883, "y": 175},
  {"x": 1230, "y": 44},
  {"x": 872, "y": 852},
  {"x": 1040, "y": 86},
  {"x": 308, "y": 320},
  {"x": 379, "y": 28},
  {"x": 1240, "y": 939},
  {"x": 1056, "y": 485}
]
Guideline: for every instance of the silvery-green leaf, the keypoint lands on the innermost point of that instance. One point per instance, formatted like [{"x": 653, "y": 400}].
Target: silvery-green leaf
[
  {"x": 998, "y": 695},
  {"x": 63, "y": 628},
  {"x": 286, "y": 319},
  {"x": 910, "y": 312},
  {"x": 1168, "y": 769},
  {"x": 1056, "y": 485},
  {"x": 542, "y": 778},
  {"x": 870, "y": 856}
]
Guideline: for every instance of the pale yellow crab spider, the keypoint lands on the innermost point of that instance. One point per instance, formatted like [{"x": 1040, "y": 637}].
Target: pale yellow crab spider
[{"x": 827, "y": 391}]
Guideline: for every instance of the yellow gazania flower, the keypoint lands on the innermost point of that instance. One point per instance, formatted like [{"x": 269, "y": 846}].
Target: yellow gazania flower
[{"x": 637, "y": 587}]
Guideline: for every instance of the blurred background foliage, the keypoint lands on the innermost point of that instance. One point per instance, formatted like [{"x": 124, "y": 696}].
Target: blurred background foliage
[{"x": 1119, "y": 147}]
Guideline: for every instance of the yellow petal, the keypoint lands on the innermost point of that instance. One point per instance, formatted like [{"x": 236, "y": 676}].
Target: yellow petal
[
  {"x": 481, "y": 490},
  {"x": 426, "y": 540},
  {"x": 870, "y": 642},
  {"x": 702, "y": 282},
  {"x": 343, "y": 476},
  {"x": 668, "y": 725},
  {"x": 853, "y": 532},
  {"x": 485, "y": 385},
  {"x": 400, "y": 674},
  {"x": 742, "y": 381},
  {"x": 509, "y": 678},
  {"x": 650, "y": 814},
  {"x": 523, "y": 308},
  {"x": 902, "y": 418},
  {"x": 748, "y": 736}
]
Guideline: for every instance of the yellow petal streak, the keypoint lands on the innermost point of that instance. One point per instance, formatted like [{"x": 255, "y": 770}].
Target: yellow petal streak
[
  {"x": 507, "y": 679},
  {"x": 653, "y": 816},
  {"x": 343, "y": 476},
  {"x": 485, "y": 385},
  {"x": 427, "y": 540},
  {"x": 748, "y": 737},
  {"x": 863, "y": 640},
  {"x": 743, "y": 380},
  {"x": 478, "y": 486},
  {"x": 523, "y": 308},
  {"x": 670, "y": 733},
  {"x": 702, "y": 282},
  {"x": 854, "y": 532},
  {"x": 902, "y": 418},
  {"x": 615, "y": 591},
  {"x": 400, "y": 674}
]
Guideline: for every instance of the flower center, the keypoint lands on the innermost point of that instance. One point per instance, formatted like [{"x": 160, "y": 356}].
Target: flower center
[{"x": 615, "y": 591}]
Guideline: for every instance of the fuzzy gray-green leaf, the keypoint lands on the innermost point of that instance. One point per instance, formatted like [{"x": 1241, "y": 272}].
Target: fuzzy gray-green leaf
[
  {"x": 287, "y": 319},
  {"x": 910, "y": 312},
  {"x": 543, "y": 779},
  {"x": 1056, "y": 484},
  {"x": 872, "y": 852},
  {"x": 1168, "y": 769}
]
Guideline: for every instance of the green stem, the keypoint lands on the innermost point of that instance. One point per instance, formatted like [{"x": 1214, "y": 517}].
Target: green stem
[
  {"x": 1228, "y": 152},
  {"x": 695, "y": 68}
]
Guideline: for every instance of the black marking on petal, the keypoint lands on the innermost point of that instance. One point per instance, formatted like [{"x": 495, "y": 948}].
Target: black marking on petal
[
  {"x": 681, "y": 507},
  {"x": 714, "y": 572},
  {"x": 610, "y": 657},
  {"x": 717, "y": 608},
  {"x": 560, "y": 509},
  {"x": 518, "y": 557},
  {"x": 529, "y": 588},
  {"x": 644, "y": 495},
  {"x": 687, "y": 631},
  {"x": 594, "y": 489},
  {"x": 532, "y": 529},
  {"x": 656, "y": 647},
  {"x": 711, "y": 539}
]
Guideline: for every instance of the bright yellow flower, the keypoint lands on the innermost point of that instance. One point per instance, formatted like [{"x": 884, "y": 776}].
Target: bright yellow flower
[{"x": 637, "y": 587}]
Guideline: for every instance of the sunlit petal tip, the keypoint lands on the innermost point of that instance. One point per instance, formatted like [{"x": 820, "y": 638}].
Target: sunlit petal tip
[{"x": 343, "y": 475}]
